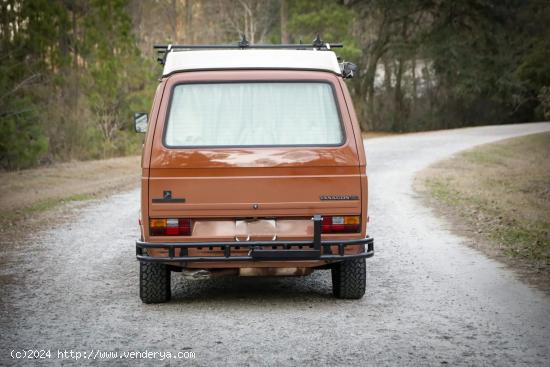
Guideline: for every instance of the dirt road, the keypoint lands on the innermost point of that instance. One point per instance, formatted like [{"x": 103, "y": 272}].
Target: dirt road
[{"x": 430, "y": 300}]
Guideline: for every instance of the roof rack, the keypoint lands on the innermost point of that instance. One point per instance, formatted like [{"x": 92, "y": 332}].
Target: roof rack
[{"x": 243, "y": 44}]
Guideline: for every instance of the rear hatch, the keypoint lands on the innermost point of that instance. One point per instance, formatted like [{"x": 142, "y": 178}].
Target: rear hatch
[{"x": 254, "y": 160}]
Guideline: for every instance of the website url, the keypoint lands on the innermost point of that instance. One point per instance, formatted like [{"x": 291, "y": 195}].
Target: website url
[{"x": 98, "y": 354}]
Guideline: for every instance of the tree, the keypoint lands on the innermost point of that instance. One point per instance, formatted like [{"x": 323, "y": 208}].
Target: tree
[
  {"x": 284, "y": 22},
  {"x": 29, "y": 35},
  {"x": 254, "y": 19},
  {"x": 533, "y": 69},
  {"x": 382, "y": 28},
  {"x": 114, "y": 66}
]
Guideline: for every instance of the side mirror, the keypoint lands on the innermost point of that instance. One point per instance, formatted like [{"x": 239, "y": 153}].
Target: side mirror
[
  {"x": 348, "y": 69},
  {"x": 140, "y": 122}
]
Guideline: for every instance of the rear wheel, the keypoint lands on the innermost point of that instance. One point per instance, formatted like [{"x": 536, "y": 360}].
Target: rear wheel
[
  {"x": 349, "y": 279},
  {"x": 154, "y": 282}
]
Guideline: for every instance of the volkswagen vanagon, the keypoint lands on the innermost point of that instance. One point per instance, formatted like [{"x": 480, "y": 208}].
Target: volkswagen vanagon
[{"x": 253, "y": 165}]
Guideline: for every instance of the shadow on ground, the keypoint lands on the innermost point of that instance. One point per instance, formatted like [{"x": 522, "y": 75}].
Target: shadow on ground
[{"x": 236, "y": 289}]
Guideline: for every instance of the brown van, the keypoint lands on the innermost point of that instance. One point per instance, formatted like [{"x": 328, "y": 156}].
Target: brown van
[{"x": 253, "y": 165}]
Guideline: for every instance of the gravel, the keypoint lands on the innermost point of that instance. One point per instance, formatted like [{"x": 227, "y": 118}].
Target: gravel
[{"x": 430, "y": 300}]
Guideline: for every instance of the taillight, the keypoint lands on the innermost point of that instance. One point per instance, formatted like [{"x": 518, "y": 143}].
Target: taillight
[
  {"x": 344, "y": 224},
  {"x": 170, "y": 227}
]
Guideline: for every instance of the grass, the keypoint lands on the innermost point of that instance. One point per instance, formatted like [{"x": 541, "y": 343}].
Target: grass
[
  {"x": 39, "y": 207},
  {"x": 499, "y": 195},
  {"x": 49, "y": 204},
  {"x": 378, "y": 134},
  {"x": 29, "y": 194}
]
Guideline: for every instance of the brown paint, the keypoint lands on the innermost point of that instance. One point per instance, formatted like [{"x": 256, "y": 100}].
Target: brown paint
[{"x": 279, "y": 186}]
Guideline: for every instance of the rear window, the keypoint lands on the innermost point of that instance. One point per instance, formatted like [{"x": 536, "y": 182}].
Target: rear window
[{"x": 253, "y": 114}]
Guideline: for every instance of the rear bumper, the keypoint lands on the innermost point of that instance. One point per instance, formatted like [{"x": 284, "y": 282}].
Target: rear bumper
[
  {"x": 316, "y": 249},
  {"x": 259, "y": 250}
]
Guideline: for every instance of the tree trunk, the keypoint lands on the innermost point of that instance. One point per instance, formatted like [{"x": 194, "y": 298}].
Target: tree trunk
[
  {"x": 398, "y": 97},
  {"x": 387, "y": 75},
  {"x": 173, "y": 19},
  {"x": 399, "y": 113},
  {"x": 414, "y": 83},
  {"x": 284, "y": 21},
  {"x": 76, "y": 75},
  {"x": 189, "y": 22},
  {"x": 368, "y": 87}
]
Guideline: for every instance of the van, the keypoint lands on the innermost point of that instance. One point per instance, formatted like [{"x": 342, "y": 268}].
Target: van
[{"x": 253, "y": 165}]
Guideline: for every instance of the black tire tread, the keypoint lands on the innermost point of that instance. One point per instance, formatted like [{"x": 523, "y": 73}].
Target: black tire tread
[
  {"x": 349, "y": 279},
  {"x": 154, "y": 282}
]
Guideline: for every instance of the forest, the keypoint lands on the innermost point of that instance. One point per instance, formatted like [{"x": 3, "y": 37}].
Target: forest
[{"x": 72, "y": 72}]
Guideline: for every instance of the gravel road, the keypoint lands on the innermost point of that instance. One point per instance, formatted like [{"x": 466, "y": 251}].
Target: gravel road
[{"x": 430, "y": 299}]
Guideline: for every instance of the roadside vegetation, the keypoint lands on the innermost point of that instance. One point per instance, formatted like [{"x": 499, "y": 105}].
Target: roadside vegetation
[
  {"x": 72, "y": 72},
  {"x": 27, "y": 194},
  {"x": 499, "y": 196}
]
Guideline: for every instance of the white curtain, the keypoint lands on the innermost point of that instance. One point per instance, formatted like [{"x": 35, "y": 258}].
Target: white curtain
[{"x": 244, "y": 114}]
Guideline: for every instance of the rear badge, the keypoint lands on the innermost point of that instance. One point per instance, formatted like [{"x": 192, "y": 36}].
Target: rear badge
[
  {"x": 167, "y": 198},
  {"x": 339, "y": 197}
]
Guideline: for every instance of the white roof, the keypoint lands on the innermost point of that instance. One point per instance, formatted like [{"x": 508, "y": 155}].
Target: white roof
[{"x": 251, "y": 59}]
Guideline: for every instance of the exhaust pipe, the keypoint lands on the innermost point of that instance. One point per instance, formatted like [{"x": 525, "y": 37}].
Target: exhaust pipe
[{"x": 197, "y": 274}]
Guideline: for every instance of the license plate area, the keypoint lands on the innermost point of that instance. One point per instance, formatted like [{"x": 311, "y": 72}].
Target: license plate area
[{"x": 255, "y": 229}]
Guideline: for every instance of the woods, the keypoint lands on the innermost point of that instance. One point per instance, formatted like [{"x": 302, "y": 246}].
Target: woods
[{"x": 72, "y": 72}]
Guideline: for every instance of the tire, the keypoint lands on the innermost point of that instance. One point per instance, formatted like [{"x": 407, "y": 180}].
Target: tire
[
  {"x": 349, "y": 279},
  {"x": 154, "y": 282}
]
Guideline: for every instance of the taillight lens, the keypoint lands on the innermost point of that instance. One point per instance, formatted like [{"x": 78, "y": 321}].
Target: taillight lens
[
  {"x": 170, "y": 227},
  {"x": 344, "y": 224}
]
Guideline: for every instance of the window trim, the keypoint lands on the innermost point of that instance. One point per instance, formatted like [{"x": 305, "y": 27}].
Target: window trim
[{"x": 336, "y": 102}]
